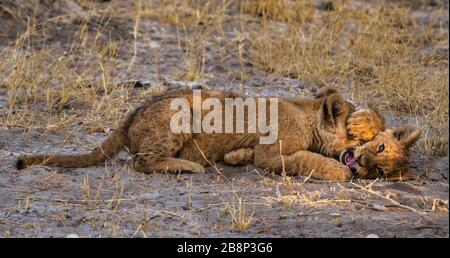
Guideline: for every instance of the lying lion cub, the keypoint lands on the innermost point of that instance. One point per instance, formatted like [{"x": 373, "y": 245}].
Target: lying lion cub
[
  {"x": 312, "y": 137},
  {"x": 381, "y": 152}
]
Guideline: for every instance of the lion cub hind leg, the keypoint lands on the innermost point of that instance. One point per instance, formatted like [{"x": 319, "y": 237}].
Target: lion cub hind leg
[
  {"x": 238, "y": 157},
  {"x": 157, "y": 152},
  {"x": 170, "y": 165}
]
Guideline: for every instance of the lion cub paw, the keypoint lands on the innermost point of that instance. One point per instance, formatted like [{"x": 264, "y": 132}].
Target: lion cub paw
[
  {"x": 195, "y": 168},
  {"x": 365, "y": 124},
  {"x": 338, "y": 173},
  {"x": 240, "y": 156}
]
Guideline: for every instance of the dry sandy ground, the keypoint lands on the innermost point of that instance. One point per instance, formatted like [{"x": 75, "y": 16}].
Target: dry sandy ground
[{"x": 114, "y": 201}]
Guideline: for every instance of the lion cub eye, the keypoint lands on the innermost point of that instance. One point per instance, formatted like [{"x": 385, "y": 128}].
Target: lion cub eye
[{"x": 380, "y": 147}]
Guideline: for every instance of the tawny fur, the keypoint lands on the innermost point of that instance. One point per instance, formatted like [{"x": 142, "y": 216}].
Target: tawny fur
[
  {"x": 368, "y": 127},
  {"x": 365, "y": 124},
  {"x": 394, "y": 161},
  {"x": 312, "y": 132}
]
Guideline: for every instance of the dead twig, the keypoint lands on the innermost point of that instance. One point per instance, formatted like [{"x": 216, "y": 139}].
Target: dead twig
[
  {"x": 135, "y": 35},
  {"x": 210, "y": 163},
  {"x": 394, "y": 202},
  {"x": 283, "y": 168}
]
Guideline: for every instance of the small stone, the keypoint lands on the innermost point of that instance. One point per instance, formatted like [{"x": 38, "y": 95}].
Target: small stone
[
  {"x": 372, "y": 236},
  {"x": 72, "y": 236},
  {"x": 379, "y": 207}
]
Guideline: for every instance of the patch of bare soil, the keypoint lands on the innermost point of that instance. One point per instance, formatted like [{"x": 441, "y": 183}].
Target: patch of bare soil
[{"x": 112, "y": 200}]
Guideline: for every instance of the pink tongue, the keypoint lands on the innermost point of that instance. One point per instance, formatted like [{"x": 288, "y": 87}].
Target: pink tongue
[{"x": 350, "y": 161}]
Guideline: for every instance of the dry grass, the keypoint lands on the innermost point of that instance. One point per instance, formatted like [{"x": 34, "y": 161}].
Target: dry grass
[
  {"x": 393, "y": 54},
  {"x": 178, "y": 12},
  {"x": 241, "y": 218},
  {"x": 281, "y": 10},
  {"x": 386, "y": 52},
  {"x": 53, "y": 90},
  {"x": 65, "y": 87}
]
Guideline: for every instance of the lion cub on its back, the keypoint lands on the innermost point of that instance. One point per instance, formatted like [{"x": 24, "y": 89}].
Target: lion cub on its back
[{"x": 312, "y": 136}]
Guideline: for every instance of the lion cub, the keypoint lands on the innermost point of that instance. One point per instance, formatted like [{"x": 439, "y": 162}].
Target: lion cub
[
  {"x": 382, "y": 152},
  {"x": 312, "y": 136}
]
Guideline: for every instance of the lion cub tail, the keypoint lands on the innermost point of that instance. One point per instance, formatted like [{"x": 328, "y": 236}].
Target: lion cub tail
[{"x": 109, "y": 148}]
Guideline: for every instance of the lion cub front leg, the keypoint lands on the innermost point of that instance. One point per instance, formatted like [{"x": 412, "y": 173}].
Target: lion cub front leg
[
  {"x": 239, "y": 157},
  {"x": 306, "y": 163},
  {"x": 146, "y": 164}
]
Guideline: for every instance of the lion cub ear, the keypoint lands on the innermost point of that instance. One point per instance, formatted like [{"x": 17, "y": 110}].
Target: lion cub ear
[
  {"x": 407, "y": 135},
  {"x": 325, "y": 92},
  {"x": 335, "y": 112}
]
